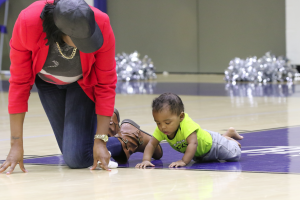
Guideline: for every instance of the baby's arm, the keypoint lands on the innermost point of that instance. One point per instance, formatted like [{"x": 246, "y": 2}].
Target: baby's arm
[
  {"x": 149, "y": 150},
  {"x": 189, "y": 152}
]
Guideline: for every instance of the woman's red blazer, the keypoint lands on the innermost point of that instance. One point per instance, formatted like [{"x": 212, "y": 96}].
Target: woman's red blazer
[{"x": 29, "y": 52}]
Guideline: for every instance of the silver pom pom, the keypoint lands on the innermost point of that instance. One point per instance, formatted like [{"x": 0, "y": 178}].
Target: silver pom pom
[
  {"x": 268, "y": 68},
  {"x": 130, "y": 67}
]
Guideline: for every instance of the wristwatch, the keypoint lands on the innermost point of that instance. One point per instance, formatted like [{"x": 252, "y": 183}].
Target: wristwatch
[{"x": 101, "y": 137}]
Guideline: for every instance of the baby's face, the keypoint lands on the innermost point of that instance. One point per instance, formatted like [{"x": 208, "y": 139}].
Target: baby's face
[{"x": 167, "y": 122}]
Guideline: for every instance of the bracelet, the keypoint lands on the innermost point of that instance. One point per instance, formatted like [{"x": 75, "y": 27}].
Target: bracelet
[{"x": 101, "y": 137}]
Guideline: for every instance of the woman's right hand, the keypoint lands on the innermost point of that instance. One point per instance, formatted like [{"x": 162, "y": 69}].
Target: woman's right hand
[
  {"x": 14, "y": 157},
  {"x": 144, "y": 164}
]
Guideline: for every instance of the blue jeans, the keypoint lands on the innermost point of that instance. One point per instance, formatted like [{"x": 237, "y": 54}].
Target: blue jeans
[{"x": 73, "y": 119}]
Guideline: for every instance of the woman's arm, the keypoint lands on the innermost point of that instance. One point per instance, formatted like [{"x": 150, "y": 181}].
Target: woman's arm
[
  {"x": 104, "y": 92},
  {"x": 21, "y": 79},
  {"x": 105, "y": 70},
  {"x": 16, "y": 152},
  {"x": 189, "y": 153},
  {"x": 100, "y": 151},
  {"x": 19, "y": 91}
]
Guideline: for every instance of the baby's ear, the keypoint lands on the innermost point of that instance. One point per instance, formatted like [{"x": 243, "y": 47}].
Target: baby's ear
[{"x": 181, "y": 116}]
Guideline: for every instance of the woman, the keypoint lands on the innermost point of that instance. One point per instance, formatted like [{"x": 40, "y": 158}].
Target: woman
[{"x": 67, "y": 49}]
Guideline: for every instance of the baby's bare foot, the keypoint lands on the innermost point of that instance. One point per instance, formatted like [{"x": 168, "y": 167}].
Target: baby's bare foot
[{"x": 231, "y": 132}]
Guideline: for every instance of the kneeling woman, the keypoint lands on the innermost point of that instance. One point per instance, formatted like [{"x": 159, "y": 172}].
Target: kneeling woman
[{"x": 67, "y": 49}]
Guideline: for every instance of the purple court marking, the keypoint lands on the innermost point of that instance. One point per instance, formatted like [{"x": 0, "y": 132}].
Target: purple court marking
[
  {"x": 47, "y": 160},
  {"x": 269, "y": 151},
  {"x": 200, "y": 89}
]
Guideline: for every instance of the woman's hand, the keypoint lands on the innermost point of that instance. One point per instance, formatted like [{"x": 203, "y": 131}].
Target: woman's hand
[
  {"x": 144, "y": 164},
  {"x": 14, "y": 157},
  {"x": 178, "y": 163},
  {"x": 101, "y": 154}
]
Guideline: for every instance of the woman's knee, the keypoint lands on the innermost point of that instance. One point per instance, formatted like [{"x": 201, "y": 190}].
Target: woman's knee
[{"x": 77, "y": 160}]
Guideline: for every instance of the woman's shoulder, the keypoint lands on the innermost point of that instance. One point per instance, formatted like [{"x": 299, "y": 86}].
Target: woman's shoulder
[
  {"x": 99, "y": 13},
  {"x": 29, "y": 25},
  {"x": 31, "y": 14},
  {"x": 100, "y": 17}
]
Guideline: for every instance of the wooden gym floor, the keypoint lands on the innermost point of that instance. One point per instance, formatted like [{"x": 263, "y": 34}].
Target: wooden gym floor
[{"x": 211, "y": 102}]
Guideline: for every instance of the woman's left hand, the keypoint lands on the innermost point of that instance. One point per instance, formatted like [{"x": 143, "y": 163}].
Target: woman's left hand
[
  {"x": 100, "y": 154},
  {"x": 178, "y": 163}
]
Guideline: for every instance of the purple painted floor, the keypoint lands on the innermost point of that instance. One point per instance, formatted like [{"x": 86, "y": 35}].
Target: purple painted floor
[{"x": 269, "y": 151}]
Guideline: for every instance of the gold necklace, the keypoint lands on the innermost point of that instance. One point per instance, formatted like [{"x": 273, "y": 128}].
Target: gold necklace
[{"x": 66, "y": 57}]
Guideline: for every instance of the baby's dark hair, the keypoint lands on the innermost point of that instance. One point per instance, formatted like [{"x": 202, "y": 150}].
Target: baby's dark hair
[
  {"x": 53, "y": 34},
  {"x": 168, "y": 100}
]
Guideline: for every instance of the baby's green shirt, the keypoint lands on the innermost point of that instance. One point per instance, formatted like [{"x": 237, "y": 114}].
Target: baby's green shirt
[{"x": 187, "y": 126}]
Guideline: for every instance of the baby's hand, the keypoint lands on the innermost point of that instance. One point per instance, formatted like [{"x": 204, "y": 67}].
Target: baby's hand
[
  {"x": 178, "y": 163},
  {"x": 144, "y": 164}
]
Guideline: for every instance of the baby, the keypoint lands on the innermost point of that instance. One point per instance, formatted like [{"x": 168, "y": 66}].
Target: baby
[{"x": 186, "y": 136}]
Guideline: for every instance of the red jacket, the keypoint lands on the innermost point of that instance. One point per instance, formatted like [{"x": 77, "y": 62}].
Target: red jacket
[{"x": 29, "y": 52}]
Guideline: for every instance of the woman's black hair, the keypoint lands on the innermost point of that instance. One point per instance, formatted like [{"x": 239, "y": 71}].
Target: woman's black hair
[
  {"x": 53, "y": 34},
  {"x": 168, "y": 100}
]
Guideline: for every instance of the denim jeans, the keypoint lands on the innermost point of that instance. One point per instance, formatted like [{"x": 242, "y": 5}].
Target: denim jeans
[{"x": 73, "y": 119}]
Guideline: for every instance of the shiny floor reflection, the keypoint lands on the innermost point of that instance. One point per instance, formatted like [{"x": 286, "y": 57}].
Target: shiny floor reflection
[
  {"x": 210, "y": 89},
  {"x": 270, "y": 151},
  {"x": 201, "y": 89}
]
